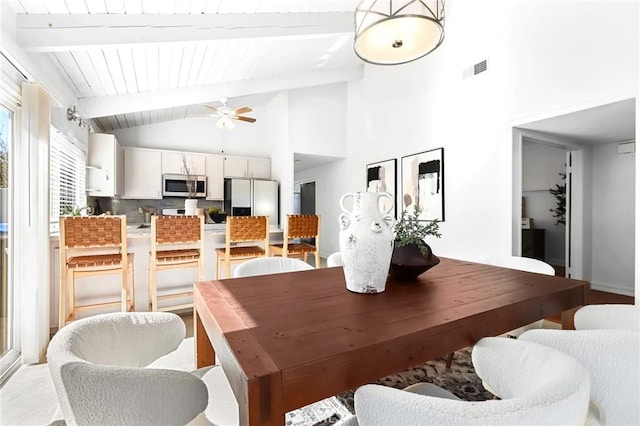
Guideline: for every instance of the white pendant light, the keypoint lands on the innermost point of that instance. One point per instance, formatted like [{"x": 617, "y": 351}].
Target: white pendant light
[{"x": 395, "y": 32}]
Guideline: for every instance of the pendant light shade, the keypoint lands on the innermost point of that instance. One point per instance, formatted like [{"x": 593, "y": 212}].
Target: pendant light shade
[{"x": 392, "y": 32}]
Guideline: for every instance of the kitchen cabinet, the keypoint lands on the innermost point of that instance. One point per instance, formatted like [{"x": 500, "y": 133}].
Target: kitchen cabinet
[
  {"x": 105, "y": 166},
  {"x": 142, "y": 173},
  {"x": 214, "y": 166},
  {"x": 258, "y": 168},
  {"x": 174, "y": 162}
]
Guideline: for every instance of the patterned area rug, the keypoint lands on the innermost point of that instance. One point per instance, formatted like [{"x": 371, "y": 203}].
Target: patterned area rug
[{"x": 460, "y": 379}]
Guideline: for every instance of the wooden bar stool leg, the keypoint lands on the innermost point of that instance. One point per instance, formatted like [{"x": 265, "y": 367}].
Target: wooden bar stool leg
[
  {"x": 218, "y": 267},
  {"x": 153, "y": 296},
  {"x": 124, "y": 286},
  {"x": 317, "y": 259},
  {"x": 72, "y": 299},
  {"x": 132, "y": 288},
  {"x": 62, "y": 313},
  {"x": 228, "y": 268}
]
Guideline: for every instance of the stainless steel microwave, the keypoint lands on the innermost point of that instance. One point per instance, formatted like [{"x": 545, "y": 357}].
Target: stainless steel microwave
[{"x": 179, "y": 186}]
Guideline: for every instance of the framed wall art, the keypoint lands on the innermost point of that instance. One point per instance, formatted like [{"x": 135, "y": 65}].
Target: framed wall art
[
  {"x": 423, "y": 184},
  {"x": 381, "y": 177}
]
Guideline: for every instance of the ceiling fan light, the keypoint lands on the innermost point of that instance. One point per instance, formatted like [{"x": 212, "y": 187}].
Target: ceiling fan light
[
  {"x": 225, "y": 122},
  {"x": 396, "y": 32}
]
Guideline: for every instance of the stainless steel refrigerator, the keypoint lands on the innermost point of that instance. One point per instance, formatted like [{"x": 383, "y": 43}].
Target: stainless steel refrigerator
[{"x": 252, "y": 197}]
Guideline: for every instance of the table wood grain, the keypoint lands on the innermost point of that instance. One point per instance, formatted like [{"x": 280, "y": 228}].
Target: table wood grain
[{"x": 287, "y": 340}]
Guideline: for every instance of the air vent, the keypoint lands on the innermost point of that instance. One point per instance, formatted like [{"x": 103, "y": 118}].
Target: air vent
[
  {"x": 473, "y": 70},
  {"x": 626, "y": 148},
  {"x": 480, "y": 67}
]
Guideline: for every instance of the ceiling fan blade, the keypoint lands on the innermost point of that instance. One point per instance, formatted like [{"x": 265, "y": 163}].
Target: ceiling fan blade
[
  {"x": 247, "y": 119},
  {"x": 241, "y": 110},
  {"x": 214, "y": 109}
]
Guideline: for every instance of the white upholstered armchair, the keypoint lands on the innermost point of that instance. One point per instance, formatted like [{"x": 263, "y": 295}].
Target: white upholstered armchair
[
  {"x": 537, "y": 385},
  {"x": 612, "y": 358},
  {"x": 270, "y": 265},
  {"x": 613, "y": 316},
  {"x": 97, "y": 366}
]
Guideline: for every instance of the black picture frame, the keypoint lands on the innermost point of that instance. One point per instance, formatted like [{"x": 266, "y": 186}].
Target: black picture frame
[
  {"x": 423, "y": 184},
  {"x": 381, "y": 177}
]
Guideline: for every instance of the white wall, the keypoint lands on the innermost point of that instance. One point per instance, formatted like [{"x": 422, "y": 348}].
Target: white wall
[
  {"x": 318, "y": 120},
  {"x": 200, "y": 134},
  {"x": 613, "y": 215},
  {"x": 541, "y": 165},
  {"x": 400, "y": 110},
  {"x": 282, "y": 160}
]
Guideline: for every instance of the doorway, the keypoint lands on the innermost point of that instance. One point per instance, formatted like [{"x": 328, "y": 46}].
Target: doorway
[
  {"x": 304, "y": 202},
  {"x": 600, "y": 183}
]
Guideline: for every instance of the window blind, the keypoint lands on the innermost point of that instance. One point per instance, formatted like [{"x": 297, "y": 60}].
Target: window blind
[{"x": 67, "y": 175}]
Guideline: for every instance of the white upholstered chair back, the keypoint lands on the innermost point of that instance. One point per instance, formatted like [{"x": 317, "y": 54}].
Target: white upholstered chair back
[
  {"x": 270, "y": 265},
  {"x": 538, "y": 385},
  {"x": 612, "y": 358},
  {"x": 96, "y": 364},
  {"x": 523, "y": 264},
  {"x": 334, "y": 259},
  {"x": 613, "y": 316}
]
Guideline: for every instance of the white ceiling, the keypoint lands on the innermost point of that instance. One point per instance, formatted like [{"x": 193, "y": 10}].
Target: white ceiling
[{"x": 136, "y": 62}]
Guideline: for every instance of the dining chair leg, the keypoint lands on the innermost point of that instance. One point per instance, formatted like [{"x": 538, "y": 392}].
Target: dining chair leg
[{"x": 449, "y": 360}]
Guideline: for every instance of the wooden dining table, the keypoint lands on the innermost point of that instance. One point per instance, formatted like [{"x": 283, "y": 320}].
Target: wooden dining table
[{"x": 287, "y": 340}]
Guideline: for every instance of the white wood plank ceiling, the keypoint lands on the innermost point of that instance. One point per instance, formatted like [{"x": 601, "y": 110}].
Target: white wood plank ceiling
[{"x": 136, "y": 62}]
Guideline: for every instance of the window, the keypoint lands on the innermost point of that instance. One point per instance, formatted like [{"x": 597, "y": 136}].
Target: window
[{"x": 67, "y": 176}]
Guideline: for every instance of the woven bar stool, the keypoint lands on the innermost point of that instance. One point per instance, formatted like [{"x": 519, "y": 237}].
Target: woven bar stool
[
  {"x": 299, "y": 226},
  {"x": 89, "y": 246},
  {"x": 243, "y": 229},
  {"x": 181, "y": 243}
]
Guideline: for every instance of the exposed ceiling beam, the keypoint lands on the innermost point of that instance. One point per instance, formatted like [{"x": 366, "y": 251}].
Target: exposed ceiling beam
[
  {"x": 121, "y": 104},
  {"x": 63, "y": 32}
]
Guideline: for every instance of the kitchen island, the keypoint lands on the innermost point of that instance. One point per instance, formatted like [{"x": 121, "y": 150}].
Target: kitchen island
[{"x": 105, "y": 288}]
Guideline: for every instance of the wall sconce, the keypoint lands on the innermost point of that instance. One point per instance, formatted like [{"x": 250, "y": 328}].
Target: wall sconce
[
  {"x": 392, "y": 32},
  {"x": 74, "y": 115}
]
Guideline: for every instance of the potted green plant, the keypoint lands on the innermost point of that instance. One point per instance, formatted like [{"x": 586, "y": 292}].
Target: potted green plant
[
  {"x": 411, "y": 254},
  {"x": 217, "y": 214}
]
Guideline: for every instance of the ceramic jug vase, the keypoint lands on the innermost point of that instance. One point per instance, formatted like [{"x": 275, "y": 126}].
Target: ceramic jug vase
[{"x": 366, "y": 241}]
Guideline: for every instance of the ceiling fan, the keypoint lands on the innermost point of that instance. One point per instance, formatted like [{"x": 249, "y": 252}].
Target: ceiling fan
[{"x": 226, "y": 115}]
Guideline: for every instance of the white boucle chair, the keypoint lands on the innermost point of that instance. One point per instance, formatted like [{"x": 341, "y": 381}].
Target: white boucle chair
[
  {"x": 523, "y": 264},
  {"x": 270, "y": 265},
  {"x": 334, "y": 259},
  {"x": 537, "y": 386},
  {"x": 613, "y": 316},
  {"x": 612, "y": 358},
  {"x": 97, "y": 366}
]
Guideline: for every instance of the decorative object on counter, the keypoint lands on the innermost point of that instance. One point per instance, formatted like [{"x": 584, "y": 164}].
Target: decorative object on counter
[
  {"x": 381, "y": 177},
  {"x": 423, "y": 184},
  {"x": 217, "y": 214},
  {"x": 191, "y": 203},
  {"x": 366, "y": 241},
  {"x": 411, "y": 254},
  {"x": 69, "y": 210}
]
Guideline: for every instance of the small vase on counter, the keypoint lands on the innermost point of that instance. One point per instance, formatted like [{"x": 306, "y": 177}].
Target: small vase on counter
[
  {"x": 366, "y": 241},
  {"x": 190, "y": 206}
]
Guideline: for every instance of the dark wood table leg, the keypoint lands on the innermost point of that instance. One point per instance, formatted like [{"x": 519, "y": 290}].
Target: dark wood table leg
[{"x": 204, "y": 352}]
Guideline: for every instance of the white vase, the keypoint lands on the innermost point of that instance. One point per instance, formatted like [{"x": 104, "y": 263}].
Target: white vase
[
  {"x": 190, "y": 206},
  {"x": 366, "y": 241}
]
